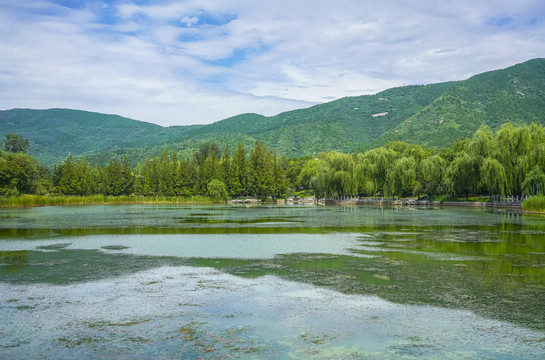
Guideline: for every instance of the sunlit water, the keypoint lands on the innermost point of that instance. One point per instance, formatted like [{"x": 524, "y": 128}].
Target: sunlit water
[{"x": 271, "y": 282}]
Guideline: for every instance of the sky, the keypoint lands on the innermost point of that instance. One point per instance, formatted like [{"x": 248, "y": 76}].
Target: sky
[{"x": 200, "y": 61}]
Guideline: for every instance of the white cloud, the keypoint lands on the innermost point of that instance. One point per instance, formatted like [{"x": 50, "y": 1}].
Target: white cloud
[
  {"x": 199, "y": 61},
  {"x": 189, "y": 21}
]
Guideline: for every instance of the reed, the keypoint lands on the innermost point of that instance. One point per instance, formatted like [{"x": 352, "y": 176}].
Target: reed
[{"x": 56, "y": 200}]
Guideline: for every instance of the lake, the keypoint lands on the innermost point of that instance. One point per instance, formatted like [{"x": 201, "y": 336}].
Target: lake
[{"x": 274, "y": 282}]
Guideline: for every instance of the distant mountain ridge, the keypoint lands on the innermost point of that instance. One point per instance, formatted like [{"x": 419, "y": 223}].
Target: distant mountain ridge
[{"x": 432, "y": 115}]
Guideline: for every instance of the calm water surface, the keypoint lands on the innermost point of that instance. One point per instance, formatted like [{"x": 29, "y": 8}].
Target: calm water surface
[{"x": 277, "y": 282}]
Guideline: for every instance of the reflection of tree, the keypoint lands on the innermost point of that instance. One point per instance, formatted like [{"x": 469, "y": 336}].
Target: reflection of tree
[{"x": 13, "y": 260}]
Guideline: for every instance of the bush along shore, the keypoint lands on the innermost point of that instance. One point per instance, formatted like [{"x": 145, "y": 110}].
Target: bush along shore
[{"x": 534, "y": 204}]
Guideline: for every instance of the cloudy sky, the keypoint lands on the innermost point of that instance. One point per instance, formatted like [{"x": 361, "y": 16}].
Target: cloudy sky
[{"x": 199, "y": 61}]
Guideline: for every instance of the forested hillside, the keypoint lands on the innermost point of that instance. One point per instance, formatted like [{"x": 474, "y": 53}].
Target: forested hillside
[
  {"x": 431, "y": 115},
  {"x": 508, "y": 162}
]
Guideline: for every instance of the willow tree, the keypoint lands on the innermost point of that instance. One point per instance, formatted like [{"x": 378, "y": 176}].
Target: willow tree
[
  {"x": 463, "y": 175},
  {"x": 534, "y": 183},
  {"x": 335, "y": 175},
  {"x": 493, "y": 177},
  {"x": 373, "y": 168},
  {"x": 433, "y": 171},
  {"x": 483, "y": 143},
  {"x": 513, "y": 145},
  {"x": 401, "y": 177}
]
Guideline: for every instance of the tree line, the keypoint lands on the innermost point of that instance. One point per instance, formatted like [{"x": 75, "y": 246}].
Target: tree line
[{"x": 508, "y": 162}]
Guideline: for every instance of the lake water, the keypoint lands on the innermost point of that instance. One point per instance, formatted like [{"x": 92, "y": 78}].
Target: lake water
[{"x": 271, "y": 282}]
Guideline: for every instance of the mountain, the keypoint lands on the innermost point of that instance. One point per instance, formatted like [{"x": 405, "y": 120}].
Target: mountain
[
  {"x": 515, "y": 95},
  {"x": 55, "y": 133},
  {"x": 432, "y": 115}
]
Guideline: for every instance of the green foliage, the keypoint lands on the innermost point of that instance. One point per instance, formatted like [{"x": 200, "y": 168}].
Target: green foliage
[
  {"x": 507, "y": 162},
  {"x": 534, "y": 183},
  {"x": 401, "y": 177},
  {"x": 17, "y": 173},
  {"x": 217, "y": 190},
  {"x": 335, "y": 175},
  {"x": 534, "y": 204},
  {"x": 433, "y": 171},
  {"x": 15, "y": 143}
]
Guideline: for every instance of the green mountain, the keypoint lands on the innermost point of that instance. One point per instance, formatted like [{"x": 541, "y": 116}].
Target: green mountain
[
  {"x": 515, "y": 95},
  {"x": 432, "y": 115},
  {"x": 55, "y": 133}
]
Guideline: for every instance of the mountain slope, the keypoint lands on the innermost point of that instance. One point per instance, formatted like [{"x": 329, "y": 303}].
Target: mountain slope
[
  {"x": 515, "y": 95},
  {"x": 55, "y": 133},
  {"x": 432, "y": 115}
]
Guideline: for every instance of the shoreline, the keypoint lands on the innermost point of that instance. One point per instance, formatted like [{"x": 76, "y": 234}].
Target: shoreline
[
  {"x": 413, "y": 202},
  {"x": 41, "y": 201}
]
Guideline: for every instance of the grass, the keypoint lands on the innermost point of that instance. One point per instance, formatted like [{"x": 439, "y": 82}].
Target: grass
[
  {"x": 45, "y": 200},
  {"x": 534, "y": 204},
  {"x": 443, "y": 198}
]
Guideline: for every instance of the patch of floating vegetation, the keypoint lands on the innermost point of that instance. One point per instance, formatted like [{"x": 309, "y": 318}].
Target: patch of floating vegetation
[
  {"x": 114, "y": 247},
  {"x": 54, "y": 247},
  {"x": 206, "y": 220}
]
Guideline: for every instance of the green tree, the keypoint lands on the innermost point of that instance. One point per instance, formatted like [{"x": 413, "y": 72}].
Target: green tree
[
  {"x": 373, "y": 168},
  {"x": 117, "y": 178},
  {"x": 17, "y": 172},
  {"x": 226, "y": 170},
  {"x": 513, "y": 146},
  {"x": 483, "y": 143},
  {"x": 217, "y": 190},
  {"x": 433, "y": 172},
  {"x": 401, "y": 177},
  {"x": 279, "y": 176},
  {"x": 463, "y": 175},
  {"x": 206, "y": 149},
  {"x": 239, "y": 168},
  {"x": 534, "y": 182},
  {"x": 210, "y": 169},
  {"x": 15, "y": 143},
  {"x": 260, "y": 171},
  {"x": 165, "y": 175},
  {"x": 307, "y": 172},
  {"x": 335, "y": 175},
  {"x": 493, "y": 176},
  {"x": 75, "y": 179}
]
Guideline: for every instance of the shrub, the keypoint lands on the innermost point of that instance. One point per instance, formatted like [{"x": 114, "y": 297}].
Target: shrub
[{"x": 534, "y": 204}]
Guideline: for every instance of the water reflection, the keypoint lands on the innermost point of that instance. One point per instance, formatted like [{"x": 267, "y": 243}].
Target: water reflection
[
  {"x": 489, "y": 262},
  {"x": 12, "y": 261}
]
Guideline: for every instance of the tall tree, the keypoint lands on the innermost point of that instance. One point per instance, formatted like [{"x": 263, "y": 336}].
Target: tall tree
[
  {"x": 15, "y": 143},
  {"x": 433, "y": 172},
  {"x": 463, "y": 175},
  {"x": 335, "y": 176},
  {"x": 401, "y": 177},
  {"x": 239, "y": 168},
  {"x": 493, "y": 177},
  {"x": 226, "y": 169},
  {"x": 279, "y": 176},
  {"x": 75, "y": 179},
  {"x": 512, "y": 147},
  {"x": 534, "y": 183},
  {"x": 17, "y": 172}
]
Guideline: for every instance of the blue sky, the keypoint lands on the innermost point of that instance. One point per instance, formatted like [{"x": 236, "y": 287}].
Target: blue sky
[{"x": 200, "y": 61}]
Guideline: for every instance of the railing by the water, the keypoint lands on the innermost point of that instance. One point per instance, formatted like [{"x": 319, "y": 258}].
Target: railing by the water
[{"x": 513, "y": 201}]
